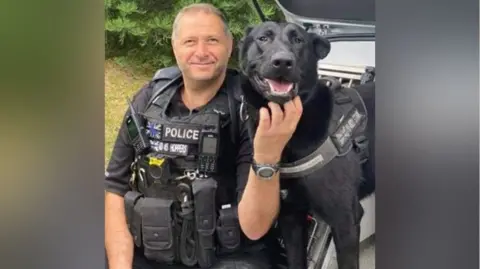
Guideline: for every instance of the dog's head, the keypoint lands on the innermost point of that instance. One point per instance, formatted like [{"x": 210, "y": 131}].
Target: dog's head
[{"x": 280, "y": 59}]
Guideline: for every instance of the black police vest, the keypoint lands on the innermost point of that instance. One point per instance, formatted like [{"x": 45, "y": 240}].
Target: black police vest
[
  {"x": 189, "y": 145},
  {"x": 183, "y": 138},
  {"x": 173, "y": 198}
]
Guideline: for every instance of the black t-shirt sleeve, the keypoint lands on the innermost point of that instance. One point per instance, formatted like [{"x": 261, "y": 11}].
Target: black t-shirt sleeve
[
  {"x": 244, "y": 159},
  {"x": 118, "y": 171}
]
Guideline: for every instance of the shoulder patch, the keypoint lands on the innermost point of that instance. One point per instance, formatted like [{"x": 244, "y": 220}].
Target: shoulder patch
[{"x": 166, "y": 73}]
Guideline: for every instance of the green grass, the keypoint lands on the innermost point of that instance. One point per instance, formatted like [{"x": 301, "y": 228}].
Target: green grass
[{"x": 120, "y": 82}]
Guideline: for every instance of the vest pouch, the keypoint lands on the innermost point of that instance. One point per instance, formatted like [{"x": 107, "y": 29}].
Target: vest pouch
[
  {"x": 158, "y": 232},
  {"x": 228, "y": 229},
  {"x": 133, "y": 202},
  {"x": 204, "y": 193}
]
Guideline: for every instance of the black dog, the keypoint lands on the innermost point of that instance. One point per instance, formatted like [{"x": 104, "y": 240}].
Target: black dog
[{"x": 279, "y": 61}]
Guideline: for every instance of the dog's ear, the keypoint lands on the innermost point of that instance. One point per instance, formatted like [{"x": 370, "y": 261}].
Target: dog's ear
[
  {"x": 245, "y": 34},
  {"x": 247, "y": 31},
  {"x": 240, "y": 46},
  {"x": 321, "y": 45}
]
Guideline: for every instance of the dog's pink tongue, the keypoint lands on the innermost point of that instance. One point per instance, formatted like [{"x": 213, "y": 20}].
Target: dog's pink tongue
[{"x": 278, "y": 86}]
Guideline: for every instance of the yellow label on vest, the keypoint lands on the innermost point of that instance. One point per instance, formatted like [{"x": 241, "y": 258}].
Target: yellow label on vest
[{"x": 155, "y": 161}]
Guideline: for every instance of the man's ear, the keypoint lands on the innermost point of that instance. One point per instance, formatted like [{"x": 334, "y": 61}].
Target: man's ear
[{"x": 321, "y": 45}]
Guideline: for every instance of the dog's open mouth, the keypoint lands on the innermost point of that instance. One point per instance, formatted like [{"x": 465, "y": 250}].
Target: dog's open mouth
[{"x": 277, "y": 87}]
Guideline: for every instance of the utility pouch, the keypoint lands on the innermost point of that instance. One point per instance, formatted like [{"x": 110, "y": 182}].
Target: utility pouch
[
  {"x": 228, "y": 229},
  {"x": 204, "y": 192},
  {"x": 133, "y": 203},
  {"x": 158, "y": 232}
]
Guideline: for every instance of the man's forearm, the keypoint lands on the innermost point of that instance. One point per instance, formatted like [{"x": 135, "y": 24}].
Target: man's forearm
[
  {"x": 118, "y": 240},
  {"x": 259, "y": 205}
]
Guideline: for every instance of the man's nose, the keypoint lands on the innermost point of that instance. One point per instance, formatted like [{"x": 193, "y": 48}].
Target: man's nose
[{"x": 202, "y": 50}]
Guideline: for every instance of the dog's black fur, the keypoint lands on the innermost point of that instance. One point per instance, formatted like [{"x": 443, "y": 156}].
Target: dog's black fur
[{"x": 335, "y": 190}]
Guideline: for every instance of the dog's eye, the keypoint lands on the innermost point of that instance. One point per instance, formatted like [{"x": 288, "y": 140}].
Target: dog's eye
[
  {"x": 263, "y": 38},
  {"x": 297, "y": 40}
]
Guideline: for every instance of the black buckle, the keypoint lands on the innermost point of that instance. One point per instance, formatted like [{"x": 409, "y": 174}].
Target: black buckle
[
  {"x": 244, "y": 116},
  {"x": 360, "y": 144},
  {"x": 368, "y": 75}
]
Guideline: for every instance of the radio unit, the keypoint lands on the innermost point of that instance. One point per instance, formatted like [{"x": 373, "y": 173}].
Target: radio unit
[{"x": 208, "y": 151}]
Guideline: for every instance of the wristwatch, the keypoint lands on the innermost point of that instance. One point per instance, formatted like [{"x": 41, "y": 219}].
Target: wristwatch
[{"x": 265, "y": 171}]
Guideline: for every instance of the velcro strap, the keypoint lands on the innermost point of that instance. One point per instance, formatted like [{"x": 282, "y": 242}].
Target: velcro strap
[
  {"x": 227, "y": 217},
  {"x": 157, "y": 212}
]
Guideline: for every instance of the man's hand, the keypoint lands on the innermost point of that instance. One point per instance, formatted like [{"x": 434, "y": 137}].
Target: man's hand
[
  {"x": 274, "y": 131},
  {"x": 273, "y": 134}
]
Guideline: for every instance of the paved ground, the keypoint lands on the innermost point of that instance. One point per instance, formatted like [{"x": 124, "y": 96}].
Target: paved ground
[{"x": 367, "y": 256}]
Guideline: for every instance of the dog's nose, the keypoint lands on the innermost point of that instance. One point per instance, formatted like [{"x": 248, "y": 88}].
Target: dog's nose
[{"x": 282, "y": 60}]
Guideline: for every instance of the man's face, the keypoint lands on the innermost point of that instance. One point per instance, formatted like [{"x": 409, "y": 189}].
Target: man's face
[{"x": 201, "y": 46}]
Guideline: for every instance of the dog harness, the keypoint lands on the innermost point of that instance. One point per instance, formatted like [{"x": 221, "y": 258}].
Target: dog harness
[{"x": 346, "y": 131}]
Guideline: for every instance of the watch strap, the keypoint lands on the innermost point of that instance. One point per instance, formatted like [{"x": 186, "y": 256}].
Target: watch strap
[{"x": 258, "y": 167}]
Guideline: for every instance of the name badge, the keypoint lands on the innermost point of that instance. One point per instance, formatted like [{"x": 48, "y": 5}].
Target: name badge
[
  {"x": 344, "y": 132},
  {"x": 182, "y": 134},
  {"x": 170, "y": 148}
]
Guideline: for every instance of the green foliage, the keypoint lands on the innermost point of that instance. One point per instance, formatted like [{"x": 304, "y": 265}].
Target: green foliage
[{"x": 138, "y": 31}]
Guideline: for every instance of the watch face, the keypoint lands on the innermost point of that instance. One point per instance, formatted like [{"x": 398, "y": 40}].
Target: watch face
[{"x": 266, "y": 172}]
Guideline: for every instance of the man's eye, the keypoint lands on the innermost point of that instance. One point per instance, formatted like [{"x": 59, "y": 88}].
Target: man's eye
[
  {"x": 188, "y": 42},
  {"x": 212, "y": 40}
]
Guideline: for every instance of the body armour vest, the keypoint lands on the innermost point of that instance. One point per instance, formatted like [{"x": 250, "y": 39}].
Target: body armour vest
[
  {"x": 171, "y": 210},
  {"x": 183, "y": 146}
]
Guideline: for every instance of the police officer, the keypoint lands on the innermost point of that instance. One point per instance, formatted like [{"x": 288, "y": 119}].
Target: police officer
[{"x": 171, "y": 201}]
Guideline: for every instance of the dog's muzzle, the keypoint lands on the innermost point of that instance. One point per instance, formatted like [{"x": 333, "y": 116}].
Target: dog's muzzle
[{"x": 275, "y": 90}]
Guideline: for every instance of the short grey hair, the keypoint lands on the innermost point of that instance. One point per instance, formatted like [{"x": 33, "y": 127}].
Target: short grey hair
[{"x": 203, "y": 7}]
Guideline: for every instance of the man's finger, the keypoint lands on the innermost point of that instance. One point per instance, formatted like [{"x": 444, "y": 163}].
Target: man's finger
[
  {"x": 292, "y": 112},
  {"x": 289, "y": 106},
  {"x": 277, "y": 114},
  {"x": 297, "y": 102},
  {"x": 264, "y": 121}
]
